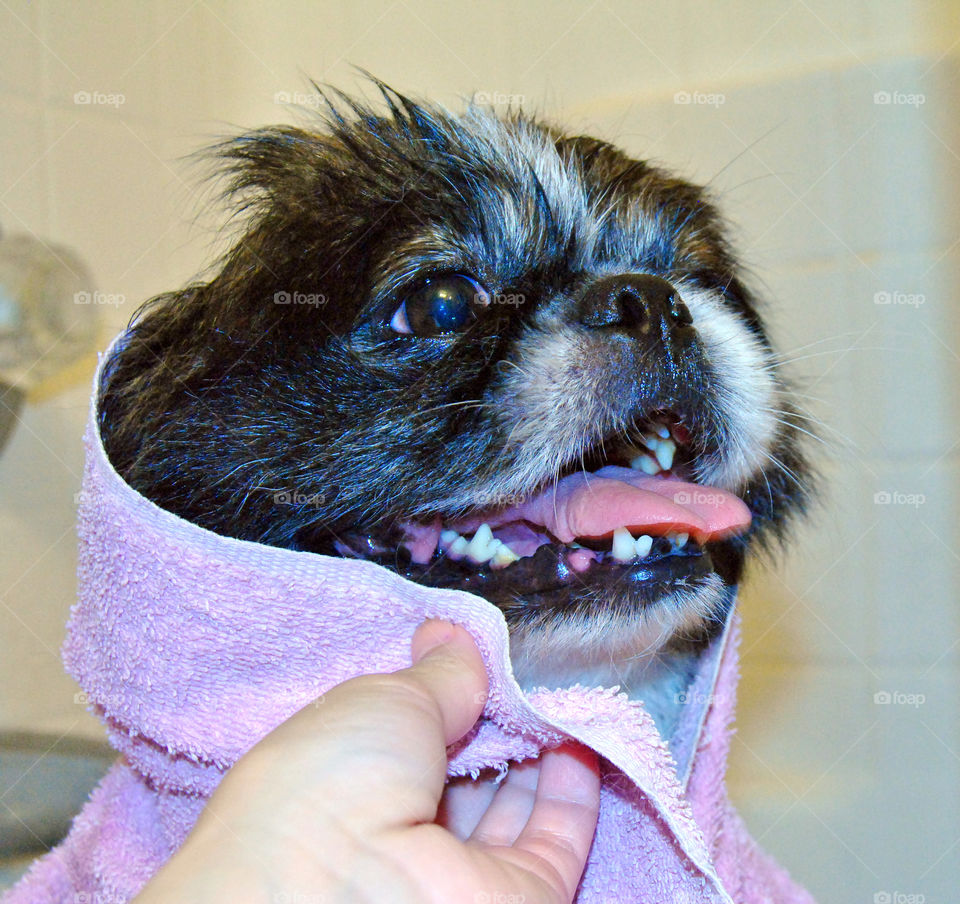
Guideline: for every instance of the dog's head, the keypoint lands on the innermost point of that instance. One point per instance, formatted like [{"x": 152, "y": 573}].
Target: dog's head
[{"x": 481, "y": 353}]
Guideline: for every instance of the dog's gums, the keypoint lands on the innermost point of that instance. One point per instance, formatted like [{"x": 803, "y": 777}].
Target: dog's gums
[{"x": 532, "y": 372}]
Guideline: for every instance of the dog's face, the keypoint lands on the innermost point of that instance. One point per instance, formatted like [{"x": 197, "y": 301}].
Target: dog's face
[{"x": 483, "y": 354}]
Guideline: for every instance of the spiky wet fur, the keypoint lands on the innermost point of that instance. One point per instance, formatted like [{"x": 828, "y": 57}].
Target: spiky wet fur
[{"x": 222, "y": 400}]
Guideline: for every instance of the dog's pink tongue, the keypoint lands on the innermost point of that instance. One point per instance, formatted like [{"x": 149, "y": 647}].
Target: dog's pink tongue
[{"x": 595, "y": 505}]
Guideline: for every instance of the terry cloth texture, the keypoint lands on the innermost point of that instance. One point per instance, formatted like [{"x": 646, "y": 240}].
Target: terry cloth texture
[{"x": 192, "y": 646}]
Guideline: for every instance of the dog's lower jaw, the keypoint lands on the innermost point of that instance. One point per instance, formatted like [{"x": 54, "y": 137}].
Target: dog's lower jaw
[{"x": 649, "y": 653}]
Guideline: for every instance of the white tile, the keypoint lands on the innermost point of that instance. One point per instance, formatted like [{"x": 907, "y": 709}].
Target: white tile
[
  {"x": 112, "y": 195},
  {"x": 918, "y": 754},
  {"x": 764, "y": 150},
  {"x": 855, "y": 796},
  {"x": 39, "y": 476},
  {"x": 637, "y": 54},
  {"x": 24, "y": 176},
  {"x": 746, "y": 39},
  {"x": 894, "y": 171},
  {"x": 813, "y": 602},
  {"x": 906, "y": 361},
  {"x": 916, "y": 567},
  {"x": 803, "y": 774},
  {"x": 22, "y": 48},
  {"x": 102, "y": 56}
]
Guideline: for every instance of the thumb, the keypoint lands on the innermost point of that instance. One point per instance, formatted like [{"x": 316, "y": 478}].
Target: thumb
[{"x": 449, "y": 667}]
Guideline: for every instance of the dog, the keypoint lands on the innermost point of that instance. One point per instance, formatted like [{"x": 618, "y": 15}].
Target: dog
[{"x": 486, "y": 355}]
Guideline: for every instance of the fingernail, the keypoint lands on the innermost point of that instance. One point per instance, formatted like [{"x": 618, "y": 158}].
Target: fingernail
[{"x": 431, "y": 634}]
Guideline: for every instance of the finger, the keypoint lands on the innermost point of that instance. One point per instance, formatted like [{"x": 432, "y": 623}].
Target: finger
[
  {"x": 449, "y": 666},
  {"x": 378, "y": 742},
  {"x": 511, "y": 807},
  {"x": 560, "y": 830},
  {"x": 398, "y": 726},
  {"x": 464, "y": 801}
]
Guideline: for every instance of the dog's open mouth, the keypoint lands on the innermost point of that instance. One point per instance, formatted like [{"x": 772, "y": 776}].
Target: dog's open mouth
[{"x": 626, "y": 515}]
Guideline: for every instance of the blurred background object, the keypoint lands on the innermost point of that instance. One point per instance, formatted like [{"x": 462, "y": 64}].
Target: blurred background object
[
  {"x": 45, "y": 346},
  {"x": 830, "y": 134}
]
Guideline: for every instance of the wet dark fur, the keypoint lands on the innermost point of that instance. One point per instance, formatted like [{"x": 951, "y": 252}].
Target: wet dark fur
[{"x": 221, "y": 398}]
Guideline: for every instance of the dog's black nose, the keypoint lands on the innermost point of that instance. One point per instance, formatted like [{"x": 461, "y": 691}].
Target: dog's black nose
[{"x": 636, "y": 302}]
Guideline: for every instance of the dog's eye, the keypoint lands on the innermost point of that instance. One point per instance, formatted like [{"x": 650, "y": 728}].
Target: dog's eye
[{"x": 443, "y": 304}]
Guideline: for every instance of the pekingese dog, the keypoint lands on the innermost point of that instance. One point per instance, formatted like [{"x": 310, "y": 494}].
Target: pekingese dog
[{"x": 486, "y": 355}]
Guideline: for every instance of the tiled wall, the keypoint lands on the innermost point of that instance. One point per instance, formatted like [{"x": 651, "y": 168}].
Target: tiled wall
[{"x": 841, "y": 201}]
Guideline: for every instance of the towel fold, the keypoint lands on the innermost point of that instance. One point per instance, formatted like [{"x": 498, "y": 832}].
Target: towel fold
[{"x": 192, "y": 646}]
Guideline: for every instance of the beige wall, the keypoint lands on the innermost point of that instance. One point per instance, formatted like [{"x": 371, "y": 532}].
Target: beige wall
[{"x": 837, "y": 199}]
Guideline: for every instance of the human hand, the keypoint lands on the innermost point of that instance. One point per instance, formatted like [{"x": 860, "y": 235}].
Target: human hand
[{"x": 340, "y": 803}]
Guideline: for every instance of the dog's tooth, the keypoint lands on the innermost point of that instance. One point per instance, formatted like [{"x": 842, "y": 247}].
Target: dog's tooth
[
  {"x": 458, "y": 548},
  {"x": 681, "y": 540},
  {"x": 624, "y": 547},
  {"x": 662, "y": 430},
  {"x": 646, "y": 464},
  {"x": 643, "y": 545},
  {"x": 492, "y": 548},
  {"x": 665, "y": 451},
  {"x": 483, "y": 545},
  {"x": 504, "y": 556},
  {"x": 448, "y": 536}
]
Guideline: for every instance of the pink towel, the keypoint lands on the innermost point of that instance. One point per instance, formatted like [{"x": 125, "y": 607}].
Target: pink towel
[{"x": 193, "y": 646}]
